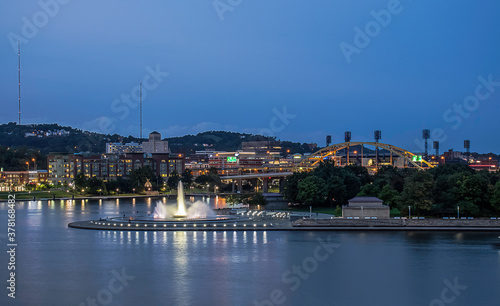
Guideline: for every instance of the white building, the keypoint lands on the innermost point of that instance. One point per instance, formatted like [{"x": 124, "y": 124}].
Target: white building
[
  {"x": 116, "y": 147},
  {"x": 155, "y": 144}
]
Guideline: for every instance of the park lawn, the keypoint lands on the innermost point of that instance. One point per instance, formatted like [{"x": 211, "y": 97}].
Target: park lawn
[
  {"x": 25, "y": 195},
  {"x": 321, "y": 210}
]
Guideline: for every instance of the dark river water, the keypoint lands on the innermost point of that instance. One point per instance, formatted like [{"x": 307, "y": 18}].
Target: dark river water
[{"x": 57, "y": 265}]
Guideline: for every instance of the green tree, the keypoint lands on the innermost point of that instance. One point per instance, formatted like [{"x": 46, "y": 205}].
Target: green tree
[
  {"x": 256, "y": 199},
  {"x": 209, "y": 179},
  {"x": 213, "y": 170},
  {"x": 187, "y": 177},
  {"x": 446, "y": 191},
  {"x": 140, "y": 176},
  {"x": 80, "y": 181},
  {"x": 233, "y": 199},
  {"x": 336, "y": 191},
  {"x": 94, "y": 185},
  {"x": 173, "y": 180},
  {"x": 352, "y": 185},
  {"x": 312, "y": 191},
  {"x": 369, "y": 190},
  {"x": 291, "y": 190},
  {"x": 360, "y": 172},
  {"x": 392, "y": 176},
  {"x": 495, "y": 198},
  {"x": 417, "y": 191},
  {"x": 389, "y": 196},
  {"x": 474, "y": 192}
]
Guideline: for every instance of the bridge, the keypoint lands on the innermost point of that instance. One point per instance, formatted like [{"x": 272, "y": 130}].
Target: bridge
[
  {"x": 408, "y": 158},
  {"x": 264, "y": 176},
  {"x": 398, "y": 157}
]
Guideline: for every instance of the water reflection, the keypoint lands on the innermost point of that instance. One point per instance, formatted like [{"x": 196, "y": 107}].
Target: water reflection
[
  {"x": 181, "y": 268},
  {"x": 185, "y": 268},
  {"x": 235, "y": 238}
]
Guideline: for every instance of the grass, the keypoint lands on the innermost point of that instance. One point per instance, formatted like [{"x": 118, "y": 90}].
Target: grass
[
  {"x": 321, "y": 210},
  {"x": 26, "y": 195}
]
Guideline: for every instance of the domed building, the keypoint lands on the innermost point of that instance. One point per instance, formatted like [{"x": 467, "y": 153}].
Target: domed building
[{"x": 155, "y": 144}]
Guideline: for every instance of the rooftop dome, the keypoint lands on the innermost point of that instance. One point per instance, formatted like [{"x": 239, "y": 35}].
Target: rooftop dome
[{"x": 154, "y": 136}]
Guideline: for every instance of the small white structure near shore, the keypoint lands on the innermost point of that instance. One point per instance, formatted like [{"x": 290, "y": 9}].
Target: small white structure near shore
[{"x": 365, "y": 208}]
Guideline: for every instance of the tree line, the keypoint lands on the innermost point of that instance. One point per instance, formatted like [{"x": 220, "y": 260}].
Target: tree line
[{"x": 433, "y": 192}]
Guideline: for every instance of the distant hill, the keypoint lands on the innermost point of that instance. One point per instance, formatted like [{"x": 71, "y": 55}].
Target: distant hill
[{"x": 55, "y": 138}]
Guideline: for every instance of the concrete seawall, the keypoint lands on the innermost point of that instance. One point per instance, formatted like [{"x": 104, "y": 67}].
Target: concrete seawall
[{"x": 398, "y": 223}]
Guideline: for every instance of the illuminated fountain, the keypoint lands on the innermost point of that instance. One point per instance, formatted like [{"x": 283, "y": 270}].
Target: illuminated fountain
[
  {"x": 181, "y": 205},
  {"x": 197, "y": 211},
  {"x": 190, "y": 216}
]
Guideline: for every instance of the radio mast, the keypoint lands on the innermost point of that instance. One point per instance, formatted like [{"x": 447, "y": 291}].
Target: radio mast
[
  {"x": 141, "y": 110},
  {"x": 19, "y": 76}
]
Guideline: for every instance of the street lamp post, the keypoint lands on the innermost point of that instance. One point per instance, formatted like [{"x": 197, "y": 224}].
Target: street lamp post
[
  {"x": 409, "y": 212},
  {"x": 34, "y": 163},
  {"x": 27, "y": 163},
  {"x": 458, "y": 212}
]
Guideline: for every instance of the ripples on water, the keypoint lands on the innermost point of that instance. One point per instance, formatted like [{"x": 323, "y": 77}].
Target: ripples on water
[{"x": 63, "y": 266}]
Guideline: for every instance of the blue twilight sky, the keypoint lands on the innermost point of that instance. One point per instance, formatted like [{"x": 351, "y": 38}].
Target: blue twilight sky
[{"x": 297, "y": 70}]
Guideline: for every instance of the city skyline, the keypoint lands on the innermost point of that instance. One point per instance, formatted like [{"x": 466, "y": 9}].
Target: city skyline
[{"x": 290, "y": 70}]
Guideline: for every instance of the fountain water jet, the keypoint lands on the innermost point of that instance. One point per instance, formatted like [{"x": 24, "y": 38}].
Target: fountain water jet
[
  {"x": 198, "y": 211},
  {"x": 181, "y": 205}
]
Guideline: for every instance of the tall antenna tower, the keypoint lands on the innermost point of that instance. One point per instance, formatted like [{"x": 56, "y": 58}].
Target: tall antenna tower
[
  {"x": 19, "y": 76},
  {"x": 426, "y": 134},
  {"x": 141, "y": 109}
]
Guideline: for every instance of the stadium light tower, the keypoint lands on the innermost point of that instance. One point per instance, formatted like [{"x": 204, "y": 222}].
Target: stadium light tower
[
  {"x": 377, "y": 135},
  {"x": 347, "y": 138},
  {"x": 467, "y": 148},
  {"x": 435, "y": 146},
  {"x": 426, "y": 134}
]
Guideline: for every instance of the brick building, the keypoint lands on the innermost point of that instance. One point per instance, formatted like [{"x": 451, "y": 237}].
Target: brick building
[{"x": 63, "y": 167}]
